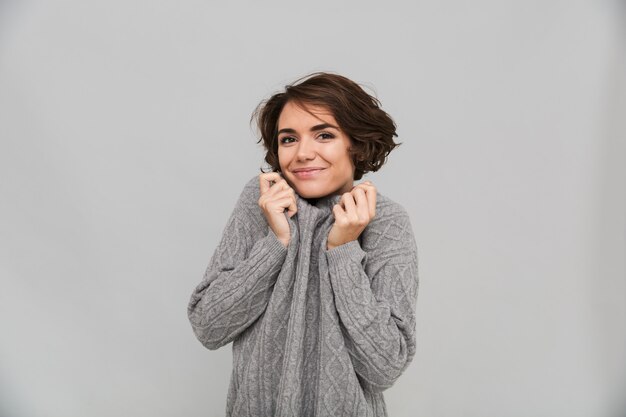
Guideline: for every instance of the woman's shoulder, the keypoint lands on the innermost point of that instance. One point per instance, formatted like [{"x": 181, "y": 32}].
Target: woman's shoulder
[
  {"x": 251, "y": 188},
  {"x": 390, "y": 227},
  {"x": 250, "y": 192},
  {"x": 387, "y": 209},
  {"x": 248, "y": 201}
]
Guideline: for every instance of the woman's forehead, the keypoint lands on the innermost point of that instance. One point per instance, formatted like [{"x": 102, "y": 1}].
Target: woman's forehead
[{"x": 305, "y": 113}]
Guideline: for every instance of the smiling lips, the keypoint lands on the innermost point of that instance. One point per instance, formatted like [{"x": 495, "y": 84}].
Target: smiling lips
[{"x": 307, "y": 173}]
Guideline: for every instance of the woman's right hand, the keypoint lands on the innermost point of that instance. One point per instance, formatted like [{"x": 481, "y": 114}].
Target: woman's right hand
[{"x": 274, "y": 199}]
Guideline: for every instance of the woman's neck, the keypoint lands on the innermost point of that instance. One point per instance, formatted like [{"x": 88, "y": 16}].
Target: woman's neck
[{"x": 312, "y": 201}]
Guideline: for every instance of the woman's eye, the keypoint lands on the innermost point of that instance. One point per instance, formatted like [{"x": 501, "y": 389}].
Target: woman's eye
[
  {"x": 326, "y": 136},
  {"x": 285, "y": 139}
]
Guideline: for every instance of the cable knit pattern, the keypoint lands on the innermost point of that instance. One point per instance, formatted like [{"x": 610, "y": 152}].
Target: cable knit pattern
[{"x": 315, "y": 332}]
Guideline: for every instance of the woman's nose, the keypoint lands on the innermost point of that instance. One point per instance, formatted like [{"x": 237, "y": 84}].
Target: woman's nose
[{"x": 306, "y": 150}]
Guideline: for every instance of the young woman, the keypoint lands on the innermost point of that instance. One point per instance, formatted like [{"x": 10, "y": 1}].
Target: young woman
[{"x": 315, "y": 279}]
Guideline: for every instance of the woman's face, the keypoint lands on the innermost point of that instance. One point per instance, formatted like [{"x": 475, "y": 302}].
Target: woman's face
[{"x": 307, "y": 141}]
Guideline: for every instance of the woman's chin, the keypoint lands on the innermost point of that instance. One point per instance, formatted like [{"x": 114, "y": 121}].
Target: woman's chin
[{"x": 311, "y": 192}]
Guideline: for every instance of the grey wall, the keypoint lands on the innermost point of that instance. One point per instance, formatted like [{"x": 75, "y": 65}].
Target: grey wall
[{"x": 124, "y": 143}]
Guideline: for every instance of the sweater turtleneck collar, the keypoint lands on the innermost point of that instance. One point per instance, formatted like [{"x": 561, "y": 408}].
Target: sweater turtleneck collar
[{"x": 321, "y": 203}]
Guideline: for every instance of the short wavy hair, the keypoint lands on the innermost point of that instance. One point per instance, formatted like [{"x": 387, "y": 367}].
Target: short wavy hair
[{"x": 359, "y": 115}]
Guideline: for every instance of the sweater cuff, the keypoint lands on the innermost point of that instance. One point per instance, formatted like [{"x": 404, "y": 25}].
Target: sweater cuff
[
  {"x": 273, "y": 246},
  {"x": 348, "y": 252}
]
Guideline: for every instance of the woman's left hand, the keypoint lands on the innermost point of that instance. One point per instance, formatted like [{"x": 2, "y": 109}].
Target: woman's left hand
[{"x": 353, "y": 213}]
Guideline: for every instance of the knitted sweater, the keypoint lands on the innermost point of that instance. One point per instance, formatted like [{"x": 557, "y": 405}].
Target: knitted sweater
[{"x": 315, "y": 332}]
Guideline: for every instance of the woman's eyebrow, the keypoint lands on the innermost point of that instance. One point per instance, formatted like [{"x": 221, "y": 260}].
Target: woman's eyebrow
[
  {"x": 313, "y": 129},
  {"x": 323, "y": 126}
]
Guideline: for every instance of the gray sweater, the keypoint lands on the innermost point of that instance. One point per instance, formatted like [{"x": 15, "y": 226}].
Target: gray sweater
[{"x": 315, "y": 332}]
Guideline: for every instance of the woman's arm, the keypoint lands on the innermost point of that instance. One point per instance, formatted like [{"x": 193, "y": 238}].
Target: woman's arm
[
  {"x": 377, "y": 312},
  {"x": 239, "y": 279}
]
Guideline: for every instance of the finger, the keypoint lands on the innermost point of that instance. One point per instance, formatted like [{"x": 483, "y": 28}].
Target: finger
[
  {"x": 266, "y": 179},
  {"x": 293, "y": 207},
  {"x": 370, "y": 192},
  {"x": 278, "y": 187},
  {"x": 366, "y": 186},
  {"x": 349, "y": 206},
  {"x": 371, "y": 201},
  {"x": 338, "y": 212},
  {"x": 284, "y": 204},
  {"x": 284, "y": 184},
  {"x": 287, "y": 203},
  {"x": 362, "y": 204},
  {"x": 274, "y": 194},
  {"x": 285, "y": 193}
]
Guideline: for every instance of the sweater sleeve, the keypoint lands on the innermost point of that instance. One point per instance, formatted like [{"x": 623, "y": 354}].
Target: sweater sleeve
[
  {"x": 238, "y": 281},
  {"x": 377, "y": 312}
]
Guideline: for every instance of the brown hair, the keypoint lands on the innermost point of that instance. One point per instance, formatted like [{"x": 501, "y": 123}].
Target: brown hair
[{"x": 358, "y": 114}]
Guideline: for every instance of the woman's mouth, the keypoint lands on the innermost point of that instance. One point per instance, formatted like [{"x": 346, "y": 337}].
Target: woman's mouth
[{"x": 308, "y": 174}]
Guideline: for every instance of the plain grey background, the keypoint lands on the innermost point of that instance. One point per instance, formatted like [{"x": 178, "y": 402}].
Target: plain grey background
[{"x": 125, "y": 143}]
